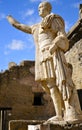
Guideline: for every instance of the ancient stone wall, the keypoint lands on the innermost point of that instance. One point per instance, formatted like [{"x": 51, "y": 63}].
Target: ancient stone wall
[
  {"x": 74, "y": 56},
  {"x": 19, "y": 91}
]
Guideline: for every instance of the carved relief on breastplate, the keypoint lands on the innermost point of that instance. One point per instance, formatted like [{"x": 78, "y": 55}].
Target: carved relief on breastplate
[{"x": 45, "y": 37}]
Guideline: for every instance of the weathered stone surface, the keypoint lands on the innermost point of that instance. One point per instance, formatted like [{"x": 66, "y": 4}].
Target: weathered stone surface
[
  {"x": 75, "y": 33},
  {"x": 24, "y": 125},
  {"x": 18, "y": 90},
  {"x": 12, "y": 64},
  {"x": 74, "y": 56}
]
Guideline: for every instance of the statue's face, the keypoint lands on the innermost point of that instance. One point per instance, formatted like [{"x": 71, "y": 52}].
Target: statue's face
[{"x": 43, "y": 10}]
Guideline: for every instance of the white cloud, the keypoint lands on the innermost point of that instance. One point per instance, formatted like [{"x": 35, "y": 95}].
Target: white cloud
[
  {"x": 2, "y": 16},
  {"x": 67, "y": 26},
  {"x": 6, "y": 52},
  {"x": 16, "y": 45},
  {"x": 30, "y": 42},
  {"x": 29, "y": 12},
  {"x": 33, "y": 20}
]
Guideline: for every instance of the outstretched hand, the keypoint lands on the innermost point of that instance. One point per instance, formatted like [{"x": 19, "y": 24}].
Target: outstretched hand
[{"x": 10, "y": 19}]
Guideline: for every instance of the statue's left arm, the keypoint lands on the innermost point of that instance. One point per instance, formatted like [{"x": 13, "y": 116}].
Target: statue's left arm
[{"x": 61, "y": 40}]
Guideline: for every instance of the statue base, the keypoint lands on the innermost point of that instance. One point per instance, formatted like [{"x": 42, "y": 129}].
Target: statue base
[{"x": 43, "y": 125}]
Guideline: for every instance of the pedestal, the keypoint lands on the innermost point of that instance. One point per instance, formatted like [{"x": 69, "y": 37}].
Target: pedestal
[{"x": 38, "y": 125}]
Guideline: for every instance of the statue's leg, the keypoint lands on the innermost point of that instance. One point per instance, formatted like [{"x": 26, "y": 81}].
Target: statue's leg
[
  {"x": 57, "y": 100},
  {"x": 45, "y": 87},
  {"x": 72, "y": 108}
]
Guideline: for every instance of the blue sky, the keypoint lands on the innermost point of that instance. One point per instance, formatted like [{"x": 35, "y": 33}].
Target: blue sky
[{"x": 17, "y": 46}]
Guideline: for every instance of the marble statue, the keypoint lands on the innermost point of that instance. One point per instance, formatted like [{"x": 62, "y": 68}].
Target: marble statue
[{"x": 51, "y": 68}]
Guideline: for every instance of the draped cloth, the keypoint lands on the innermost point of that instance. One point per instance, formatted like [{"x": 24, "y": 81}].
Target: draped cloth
[{"x": 54, "y": 65}]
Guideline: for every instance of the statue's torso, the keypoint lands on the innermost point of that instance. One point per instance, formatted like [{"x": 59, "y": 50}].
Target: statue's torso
[{"x": 43, "y": 37}]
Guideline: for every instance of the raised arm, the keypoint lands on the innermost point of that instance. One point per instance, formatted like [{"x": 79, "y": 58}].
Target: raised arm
[{"x": 18, "y": 25}]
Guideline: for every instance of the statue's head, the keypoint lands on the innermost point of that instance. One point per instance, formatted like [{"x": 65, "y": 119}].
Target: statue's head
[{"x": 44, "y": 8}]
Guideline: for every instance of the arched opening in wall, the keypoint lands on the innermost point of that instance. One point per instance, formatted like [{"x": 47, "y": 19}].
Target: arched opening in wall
[{"x": 38, "y": 99}]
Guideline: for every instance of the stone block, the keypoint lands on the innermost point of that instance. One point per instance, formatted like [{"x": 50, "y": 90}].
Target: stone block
[
  {"x": 34, "y": 127},
  {"x": 11, "y": 64},
  {"x": 39, "y": 125},
  {"x": 61, "y": 127},
  {"x": 25, "y": 124},
  {"x": 26, "y": 63},
  {"x": 17, "y": 125}
]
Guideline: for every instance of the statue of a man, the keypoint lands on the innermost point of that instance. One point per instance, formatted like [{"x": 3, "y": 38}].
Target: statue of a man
[{"x": 51, "y": 68}]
